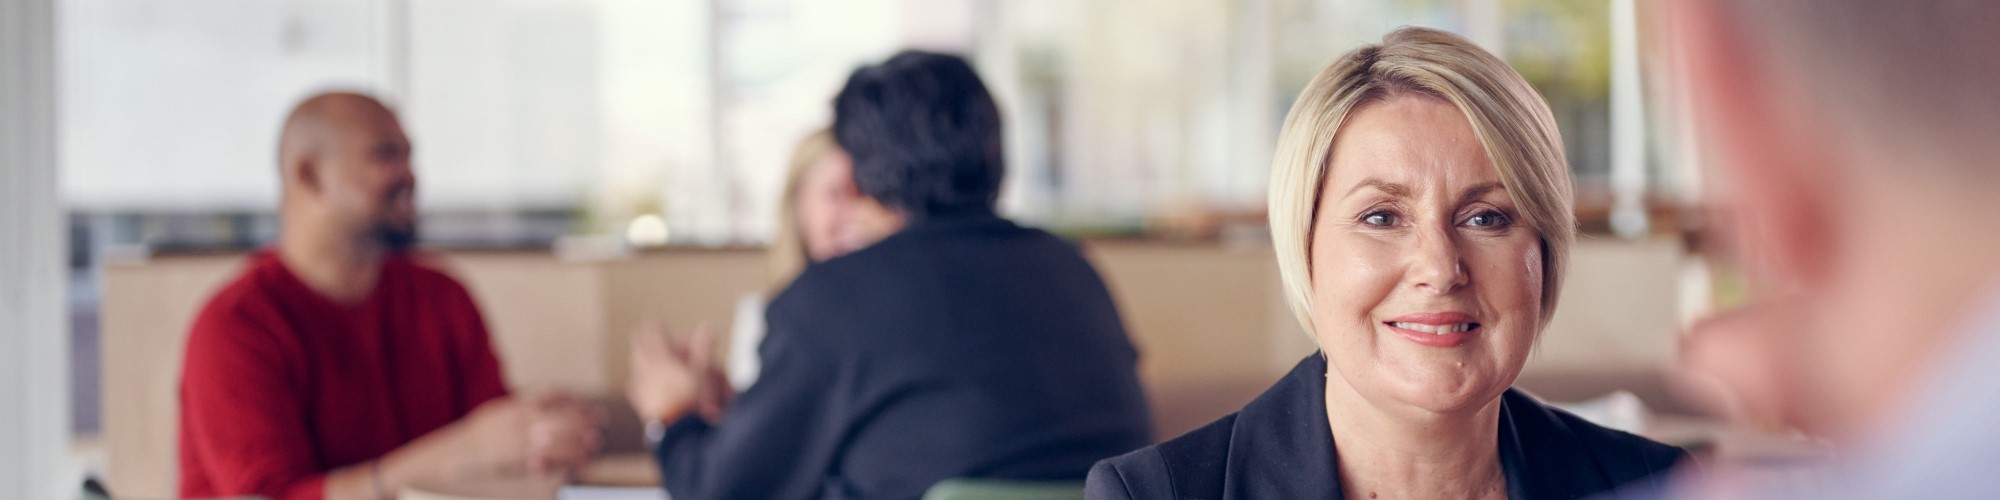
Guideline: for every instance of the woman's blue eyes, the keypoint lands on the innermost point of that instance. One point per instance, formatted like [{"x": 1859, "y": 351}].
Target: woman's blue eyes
[
  {"x": 1487, "y": 219},
  {"x": 1379, "y": 219}
]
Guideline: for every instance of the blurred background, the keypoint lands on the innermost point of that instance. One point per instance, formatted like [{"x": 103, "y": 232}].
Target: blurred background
[
  {"x": 587, "y": 163},
  {"x": 538, "y": 119}
]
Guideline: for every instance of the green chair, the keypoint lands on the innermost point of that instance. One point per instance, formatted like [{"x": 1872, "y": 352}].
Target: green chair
[{"x": 989, "y": 489}]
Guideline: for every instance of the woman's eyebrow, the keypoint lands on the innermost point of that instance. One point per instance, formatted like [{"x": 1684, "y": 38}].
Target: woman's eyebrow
[
  {"x": 1393, "y": 189},
  {"x": 1480, "y": 190}
]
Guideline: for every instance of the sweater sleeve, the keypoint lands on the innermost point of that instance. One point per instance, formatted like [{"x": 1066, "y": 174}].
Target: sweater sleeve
[
  {"x": 242, "y": 411},
  {"x": 479, "y": 367},
  {"x": 779, "y": 439}
]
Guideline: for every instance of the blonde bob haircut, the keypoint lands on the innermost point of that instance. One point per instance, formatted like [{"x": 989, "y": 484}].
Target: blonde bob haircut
[
  {"x": 1512, "y": 121},
  {"x": 788, "y": 255}
]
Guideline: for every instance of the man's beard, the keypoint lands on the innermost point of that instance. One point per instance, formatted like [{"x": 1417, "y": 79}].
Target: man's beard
[{"x": 396, "y": 237}]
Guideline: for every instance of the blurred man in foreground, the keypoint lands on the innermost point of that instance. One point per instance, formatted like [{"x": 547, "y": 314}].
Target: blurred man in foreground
[
  {"x": 340, "y": 365},
  {"x": 1857, "y": 143},
  {"x": 960, "y": 346}
]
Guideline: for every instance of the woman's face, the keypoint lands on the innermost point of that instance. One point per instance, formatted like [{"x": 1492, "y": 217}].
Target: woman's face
[
  {"x": 1415, "y": 236},
  {"x": 826, "y": 208}
]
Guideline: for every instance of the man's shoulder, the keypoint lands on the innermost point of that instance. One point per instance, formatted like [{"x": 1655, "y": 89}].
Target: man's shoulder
[
  {"x": 887, "y": 267},
  {"x": 431, "y": 272},
  {"x": 1626, "y": 455},
  {"x": 252, "y": 291},
  {"x": 863, "y": 295},
  {"x": 245, "y": 316},
  {"x": 908, "y": 254},
  {"x": 1138, "y": 474}
]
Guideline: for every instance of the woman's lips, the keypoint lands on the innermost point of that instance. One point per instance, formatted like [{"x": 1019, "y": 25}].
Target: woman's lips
[{"x": 1435, "y": 329}]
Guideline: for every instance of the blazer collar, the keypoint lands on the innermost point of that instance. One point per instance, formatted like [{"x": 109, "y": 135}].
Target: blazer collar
[
  {"x": 1282, "y": 447},
  {"x": 956, "y": 218},
  {"x": 1541, "y": 456}
]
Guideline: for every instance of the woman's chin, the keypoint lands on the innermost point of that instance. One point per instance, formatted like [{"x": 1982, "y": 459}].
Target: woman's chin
[{"x": 1444, "y": 391}]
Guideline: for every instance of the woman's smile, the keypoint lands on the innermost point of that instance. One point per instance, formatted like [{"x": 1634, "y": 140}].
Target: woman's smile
[{"x": 1435, "y": 329}]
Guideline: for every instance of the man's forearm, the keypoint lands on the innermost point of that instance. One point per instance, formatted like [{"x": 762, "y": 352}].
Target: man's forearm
[
  {"x": 356, "y": 482},
  {"x": 419, "y": 462},
  {"x": 679, "y": 453}
]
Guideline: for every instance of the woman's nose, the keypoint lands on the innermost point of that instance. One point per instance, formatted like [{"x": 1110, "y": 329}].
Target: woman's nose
[{"x": 1436, "y": 264}]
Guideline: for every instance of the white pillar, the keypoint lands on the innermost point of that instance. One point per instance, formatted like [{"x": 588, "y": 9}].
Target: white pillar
[
  {"x": 34, "y": 353},
  {"x": 1252, "y": 90},
  {"x": 1628, "y": 125},
  {"x": 1486, "y": 25}
]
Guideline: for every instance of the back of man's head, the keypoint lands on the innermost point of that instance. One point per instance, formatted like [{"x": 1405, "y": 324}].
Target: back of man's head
[
  {"x": 924, "y": 134},
  {"x": 1855, "y": 145},
  {"x": 1917, "y": 79}
]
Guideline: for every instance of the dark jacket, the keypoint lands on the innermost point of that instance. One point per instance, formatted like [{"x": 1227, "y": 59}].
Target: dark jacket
[
  {"x": 962, "y": 346},
  {"x": 1280, "y": 446}
]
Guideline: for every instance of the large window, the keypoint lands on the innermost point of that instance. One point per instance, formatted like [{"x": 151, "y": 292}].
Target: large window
[{"x": 537, "y": 119}]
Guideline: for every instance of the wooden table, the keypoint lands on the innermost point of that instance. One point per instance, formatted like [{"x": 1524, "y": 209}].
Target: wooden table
[{"x": 621, "y": 470}]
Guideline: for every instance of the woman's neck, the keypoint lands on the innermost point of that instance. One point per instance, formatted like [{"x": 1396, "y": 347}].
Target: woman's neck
[{"x": 1413, "y": 454}]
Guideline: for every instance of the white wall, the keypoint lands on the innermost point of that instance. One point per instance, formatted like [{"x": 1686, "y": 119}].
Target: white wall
[
  {"x": 34, "y": 371},
  {"x": 175, "y": 106}
]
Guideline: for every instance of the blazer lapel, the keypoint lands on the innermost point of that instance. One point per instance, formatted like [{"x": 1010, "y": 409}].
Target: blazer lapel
[
  {"x": 1281, "y": 446},
  {"x": 1541, "y": 457}
]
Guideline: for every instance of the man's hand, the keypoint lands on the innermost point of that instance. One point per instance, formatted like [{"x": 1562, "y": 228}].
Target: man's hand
[
  {"x": 671, "y": 379},
  {"x": 1741, "y": 365},
  {"x": 712, "y": 390},
  {"x": 535, "y": 433}
]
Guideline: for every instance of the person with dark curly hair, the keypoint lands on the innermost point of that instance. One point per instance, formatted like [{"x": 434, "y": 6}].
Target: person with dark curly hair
[{"x": 961, "y": 345}]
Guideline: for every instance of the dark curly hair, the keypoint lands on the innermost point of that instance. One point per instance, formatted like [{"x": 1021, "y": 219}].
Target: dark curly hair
[{"x": 924, "y": 134}]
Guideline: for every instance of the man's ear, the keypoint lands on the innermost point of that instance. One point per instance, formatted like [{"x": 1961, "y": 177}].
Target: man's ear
[
  {"x": 1775, "y": 168},
  {"x": 304, "y": 175}
]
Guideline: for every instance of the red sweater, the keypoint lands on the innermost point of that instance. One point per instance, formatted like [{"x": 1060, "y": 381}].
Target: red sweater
[{"x": 282, "y": 385}]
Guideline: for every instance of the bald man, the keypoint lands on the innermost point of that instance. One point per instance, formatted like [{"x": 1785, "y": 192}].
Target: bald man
[
  {"x": 1859, "y": 142},
  {"x": 338, "y": 364}
]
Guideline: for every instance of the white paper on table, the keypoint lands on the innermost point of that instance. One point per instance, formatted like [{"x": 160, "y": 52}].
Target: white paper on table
[
  {"x": 611, "y": 493},
  {"x": 744, "y": 339},
  {"x": 1620, "y": 410}
]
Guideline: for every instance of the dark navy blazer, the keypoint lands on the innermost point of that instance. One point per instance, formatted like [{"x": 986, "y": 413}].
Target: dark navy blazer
[
  {"x": 962, "y": 346},
  {"x": 1280, "y": 446}
]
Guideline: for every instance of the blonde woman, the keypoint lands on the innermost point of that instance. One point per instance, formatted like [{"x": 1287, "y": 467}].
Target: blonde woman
[
  {"x": 820, "y": 216},
  {"x": 816, "y": 210},
  {"x": 1421, "y": 211}
]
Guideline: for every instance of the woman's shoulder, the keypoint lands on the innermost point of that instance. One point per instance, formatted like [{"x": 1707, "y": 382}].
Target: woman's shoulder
[
  {"x": 1126, "y": 476},
  {"x": 1624, "y": 455},
  {"x": 1189, "y": 465}
]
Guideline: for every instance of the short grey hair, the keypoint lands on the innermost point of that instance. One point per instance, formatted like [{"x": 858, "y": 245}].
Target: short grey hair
[{"x": 1916, "y": 77}]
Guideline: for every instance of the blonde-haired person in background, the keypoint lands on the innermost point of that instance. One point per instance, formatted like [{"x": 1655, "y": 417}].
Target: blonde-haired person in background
[
  {"x": 1421, "y": 211},
  {"x": 821, "y": 215},
  {"x": 817, "y": 209}
]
